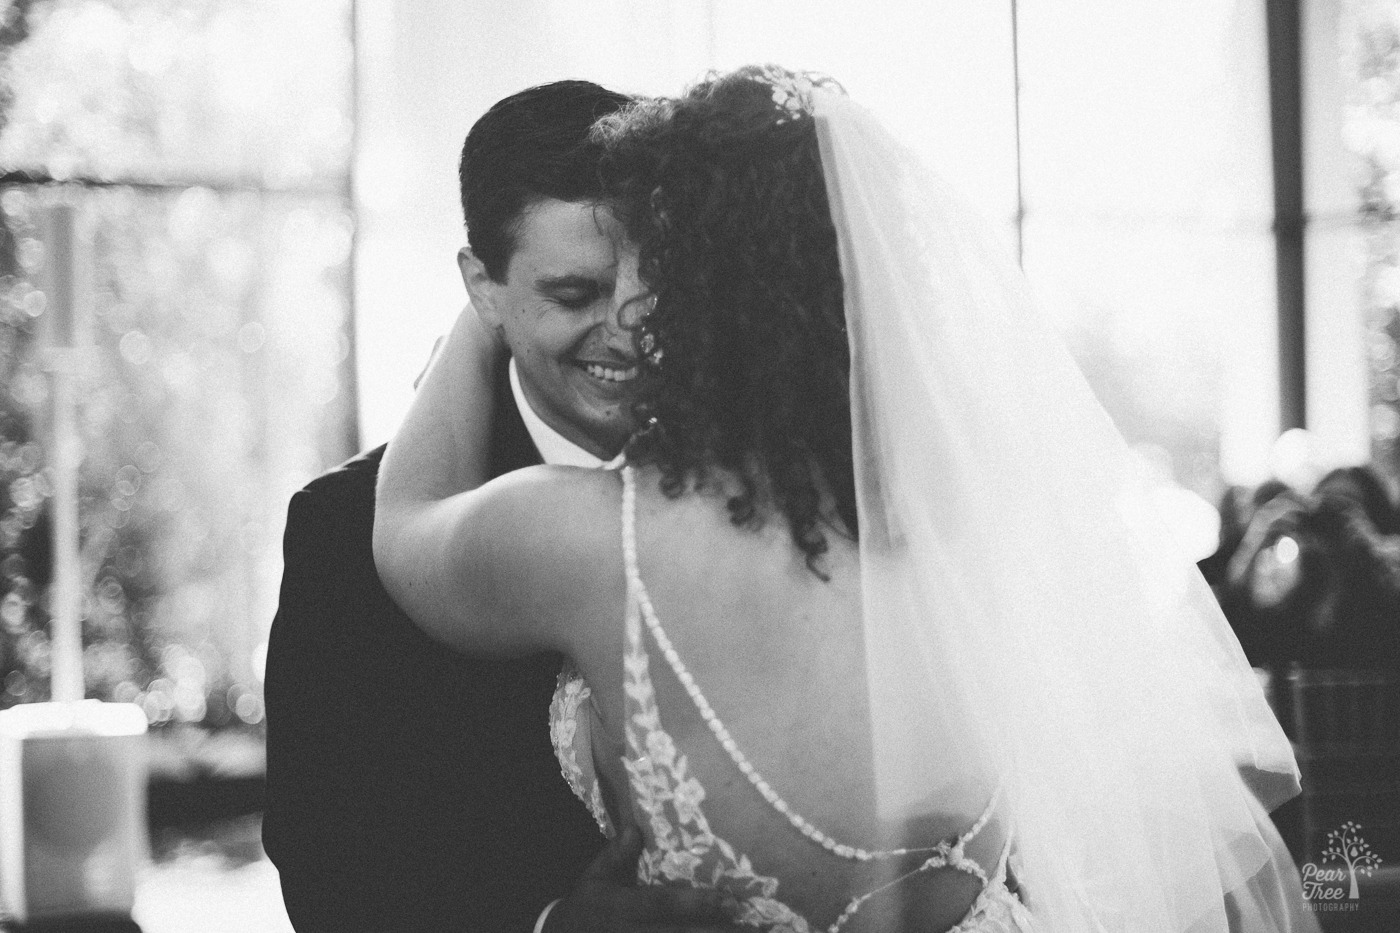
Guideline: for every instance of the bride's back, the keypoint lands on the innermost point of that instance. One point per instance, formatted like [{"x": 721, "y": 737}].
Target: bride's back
[{"x": 777, "y": 651}]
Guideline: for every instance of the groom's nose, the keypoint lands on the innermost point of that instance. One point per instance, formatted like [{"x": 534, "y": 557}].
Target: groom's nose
[
  {"x": 626, "y": 313},
  {"x": 604, "y": 332},
  {"x": 616, "y": 336},
  {"x": 624, "y": 316},
  {"x": 631, "y": 298}
]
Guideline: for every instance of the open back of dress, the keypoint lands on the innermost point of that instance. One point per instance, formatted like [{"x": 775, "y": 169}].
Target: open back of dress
[{"x": 682, "y": 846}]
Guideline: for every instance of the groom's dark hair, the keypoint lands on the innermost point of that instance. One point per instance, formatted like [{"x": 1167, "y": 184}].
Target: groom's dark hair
[{"x": 531, "y": 146}]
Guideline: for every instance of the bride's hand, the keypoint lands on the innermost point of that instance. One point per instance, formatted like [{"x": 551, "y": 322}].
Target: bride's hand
[
  {"x": 608, "y": 899},
  {"x": 443, "y": 445},
  {"x": 480, "y": 347},
  {"x": 486, "y": 343}
]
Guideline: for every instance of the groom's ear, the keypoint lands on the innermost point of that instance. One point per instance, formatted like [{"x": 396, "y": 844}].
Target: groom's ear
[{"x": 481, "y": 288}]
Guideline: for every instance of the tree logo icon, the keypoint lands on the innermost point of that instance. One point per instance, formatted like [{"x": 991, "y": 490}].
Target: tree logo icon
[{"x": 1329, "y": 883}]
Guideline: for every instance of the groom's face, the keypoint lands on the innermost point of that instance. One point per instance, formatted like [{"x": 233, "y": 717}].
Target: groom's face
[{"x": 559, "y": 314}]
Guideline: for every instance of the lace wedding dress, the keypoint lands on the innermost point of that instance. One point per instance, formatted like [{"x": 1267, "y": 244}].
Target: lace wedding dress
[{"x": 682, "y": 847}]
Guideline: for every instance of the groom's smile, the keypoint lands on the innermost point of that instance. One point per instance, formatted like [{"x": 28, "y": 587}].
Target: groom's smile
[
  {"x": 609, "y": 373},
  {"x": 557, "y": 311}
]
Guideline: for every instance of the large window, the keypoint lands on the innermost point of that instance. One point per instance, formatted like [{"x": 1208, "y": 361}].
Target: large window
[{"x": 1145, "y": 160}]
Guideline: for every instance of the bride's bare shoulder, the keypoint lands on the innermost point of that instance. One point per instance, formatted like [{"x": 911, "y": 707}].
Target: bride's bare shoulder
[
  {"x": 556, "y": 510},
  {"x": 692, "y": 530}
]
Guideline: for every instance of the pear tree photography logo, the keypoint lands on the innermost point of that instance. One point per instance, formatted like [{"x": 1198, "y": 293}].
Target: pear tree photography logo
[{"x": 1333, "y": 885}]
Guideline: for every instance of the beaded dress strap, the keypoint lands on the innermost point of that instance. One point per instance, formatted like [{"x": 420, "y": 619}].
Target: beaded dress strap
[{"x": 629, "y": 531}]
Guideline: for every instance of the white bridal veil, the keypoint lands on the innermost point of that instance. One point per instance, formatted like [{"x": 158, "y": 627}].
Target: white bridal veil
[{"x": 1030, "y": 624}]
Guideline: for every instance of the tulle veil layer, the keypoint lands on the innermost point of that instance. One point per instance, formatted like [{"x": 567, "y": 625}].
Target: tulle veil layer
[{"x": 1031, "y": 628}]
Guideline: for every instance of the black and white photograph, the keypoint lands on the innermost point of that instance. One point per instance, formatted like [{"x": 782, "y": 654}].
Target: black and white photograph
[{"x": 696, "y": 466}]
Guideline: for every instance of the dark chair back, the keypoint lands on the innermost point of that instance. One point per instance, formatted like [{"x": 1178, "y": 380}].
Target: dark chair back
[{"x": 1346, "y": 726}]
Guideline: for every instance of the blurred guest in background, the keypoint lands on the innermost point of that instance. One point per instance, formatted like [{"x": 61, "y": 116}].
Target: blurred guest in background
[{"x": 1312, "y": 579}]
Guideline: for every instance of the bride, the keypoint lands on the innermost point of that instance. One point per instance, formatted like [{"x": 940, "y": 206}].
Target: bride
[{"x": 873, "y": 630}]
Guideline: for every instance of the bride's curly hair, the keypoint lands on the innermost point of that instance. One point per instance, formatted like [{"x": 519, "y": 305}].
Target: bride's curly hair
[{"x": 748, "y": 362}]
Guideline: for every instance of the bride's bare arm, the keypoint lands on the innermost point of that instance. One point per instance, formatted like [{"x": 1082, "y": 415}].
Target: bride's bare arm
[{"x": 482, "y": 566}]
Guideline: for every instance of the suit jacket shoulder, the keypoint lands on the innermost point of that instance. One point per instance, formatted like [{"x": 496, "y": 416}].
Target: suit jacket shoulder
[{"x": 409, "y": 787}]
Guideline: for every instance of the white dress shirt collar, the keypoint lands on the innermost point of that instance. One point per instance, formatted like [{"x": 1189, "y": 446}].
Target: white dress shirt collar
[{"x": 554, "y": 447}]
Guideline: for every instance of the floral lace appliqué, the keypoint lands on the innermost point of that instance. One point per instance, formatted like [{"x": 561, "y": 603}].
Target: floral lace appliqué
[
  {"x": 564, "y": 719},
  {"x": 684, "y": 848}
]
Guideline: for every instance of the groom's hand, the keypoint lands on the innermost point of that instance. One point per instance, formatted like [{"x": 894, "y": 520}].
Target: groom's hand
[{"x": 608, "y": 899}]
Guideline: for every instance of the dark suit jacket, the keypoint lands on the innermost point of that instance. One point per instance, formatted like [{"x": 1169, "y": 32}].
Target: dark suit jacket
[{"x": 408, "y": 787}]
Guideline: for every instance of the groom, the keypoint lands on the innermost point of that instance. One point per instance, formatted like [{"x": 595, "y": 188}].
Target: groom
[{"x": 411, "y": 788}]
